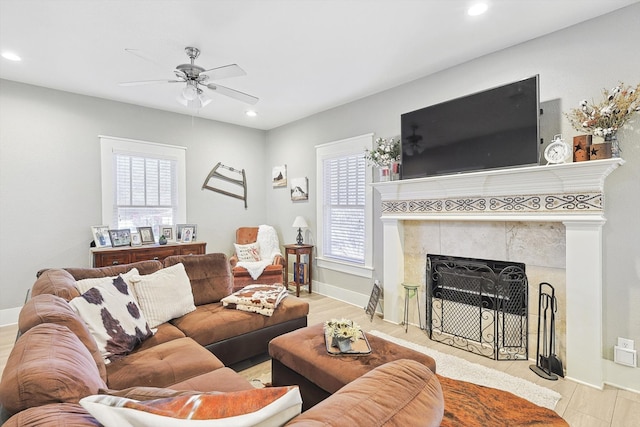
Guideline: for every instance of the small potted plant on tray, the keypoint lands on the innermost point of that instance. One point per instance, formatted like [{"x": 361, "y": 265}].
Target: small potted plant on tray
[{"x": 342, "y": 332}]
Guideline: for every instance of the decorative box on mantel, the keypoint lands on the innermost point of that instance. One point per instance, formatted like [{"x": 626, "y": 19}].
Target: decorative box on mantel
[{"x": 571, "y": 193}]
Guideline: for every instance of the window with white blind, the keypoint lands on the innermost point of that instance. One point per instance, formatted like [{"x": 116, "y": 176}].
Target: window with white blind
[
  {"x": 344, "y": 206},
  {"x": 143, "y": 184}
]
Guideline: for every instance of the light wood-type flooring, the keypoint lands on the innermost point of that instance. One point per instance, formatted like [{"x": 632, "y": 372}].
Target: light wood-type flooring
[{"x": 581, "y": 406}]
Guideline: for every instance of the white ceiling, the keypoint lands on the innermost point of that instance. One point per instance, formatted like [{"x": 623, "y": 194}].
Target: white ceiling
[{"x": 301, "y": 56}]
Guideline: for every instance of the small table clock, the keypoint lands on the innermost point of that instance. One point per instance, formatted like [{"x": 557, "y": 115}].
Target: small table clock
[{"x": 557, "y": 151}]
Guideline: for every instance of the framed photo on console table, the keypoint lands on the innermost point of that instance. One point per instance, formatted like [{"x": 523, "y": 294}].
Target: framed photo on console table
[
  {"x": 181, "y": 227},
  {"x": 101, "y": 236},
  {"x": 146, "y": 233},
  {"x": 120, "y": 237},
  {"x": 187, "y": 235},
  {"x": 167, "y": 232},
  {"x": 136, "y": 240}
]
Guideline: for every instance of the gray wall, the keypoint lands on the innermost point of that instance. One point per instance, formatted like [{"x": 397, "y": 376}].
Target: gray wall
[
  {"x": 50, "y": 176},
  {"x": 573, "y": 64}
]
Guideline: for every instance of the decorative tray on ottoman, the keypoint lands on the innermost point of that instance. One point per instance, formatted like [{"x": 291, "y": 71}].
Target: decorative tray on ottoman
[{"x": 360, "y": 347}]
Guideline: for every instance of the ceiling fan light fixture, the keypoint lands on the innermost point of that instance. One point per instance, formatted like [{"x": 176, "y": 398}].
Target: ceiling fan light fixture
[
  {"x": 190, "y": 92},
  {"x": 199, "y": 101},
  {"x": 203, "y": 98}
]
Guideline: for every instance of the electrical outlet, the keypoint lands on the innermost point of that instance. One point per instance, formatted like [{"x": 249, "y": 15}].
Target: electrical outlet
[{"x": 625, "y": 343}]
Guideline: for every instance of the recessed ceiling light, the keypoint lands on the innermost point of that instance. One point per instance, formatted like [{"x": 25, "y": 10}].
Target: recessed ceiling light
[
  {"x": 477, "y": 9},
  {"x": 251, "y": 113},
  {"x": 11, "y": 56}
]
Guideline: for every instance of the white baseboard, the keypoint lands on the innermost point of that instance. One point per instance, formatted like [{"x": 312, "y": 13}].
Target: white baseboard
[
  {"x": 341, "y": 294},
  {"x": 9, "y": 316},
  {"x": 623, "y": 377}
]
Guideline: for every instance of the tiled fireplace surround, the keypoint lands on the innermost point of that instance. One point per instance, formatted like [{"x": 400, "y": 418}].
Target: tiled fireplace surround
[{"x": 549, "y": 217}]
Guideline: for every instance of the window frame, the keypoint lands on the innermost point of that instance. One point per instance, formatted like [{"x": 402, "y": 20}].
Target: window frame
[
  {"x": 110, "y": 145},
  {"x": 339, "y": 148}
]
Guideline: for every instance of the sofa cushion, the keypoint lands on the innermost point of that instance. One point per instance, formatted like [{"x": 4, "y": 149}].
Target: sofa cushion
[
  {"x": 48, "y": 364},
  {"x": 54, "y": 415},
  {"x": 162, "y": 365},
  {"x": 144, "y": 267},
  {"x": 247, "y": 253},
  {"x": 47, "y": 308},
  {"x": 56, "y": 282},
  {"x": 399, "y": 393},
  {"x": 164, "y": 295},
  {"x": 223, "y": 379},
  {"x": 163, "y": 333},
  {"x": 211, "y": 323},
  {"x": 84, "y": 285},
  {"x": 265, "y": 407},
  {"x": 209, "y": 274},
  {"x": 113, "y": 317}
]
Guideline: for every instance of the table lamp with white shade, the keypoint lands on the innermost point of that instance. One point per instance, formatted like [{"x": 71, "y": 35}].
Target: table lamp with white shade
[{"x": 299, "y": 223}]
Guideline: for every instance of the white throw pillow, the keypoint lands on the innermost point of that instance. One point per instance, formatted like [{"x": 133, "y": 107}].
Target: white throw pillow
[
  {"x": 164, "y": 295},
  {"x": 84, "y": 285},
  {"x": 113, "y": 317},
  {"x": 265, "y": 407},
  {"x": 248, "y": 253}
]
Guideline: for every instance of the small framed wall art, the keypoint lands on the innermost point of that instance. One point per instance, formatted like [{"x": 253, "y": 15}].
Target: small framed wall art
[
  {"x": 146, "y": 233},
  {"x": 279, "y": 176},
  {"x": 100, "y": 235},
  {"x": 299, "y": 189},
  {"x": 120, "y": 237}
]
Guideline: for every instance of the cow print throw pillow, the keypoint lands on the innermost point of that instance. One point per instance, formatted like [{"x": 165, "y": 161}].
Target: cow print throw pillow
[{"x": 113, "y": 317}]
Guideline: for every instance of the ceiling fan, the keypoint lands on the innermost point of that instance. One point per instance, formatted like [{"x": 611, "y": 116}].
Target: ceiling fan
[{"x": 195, "y": 79}]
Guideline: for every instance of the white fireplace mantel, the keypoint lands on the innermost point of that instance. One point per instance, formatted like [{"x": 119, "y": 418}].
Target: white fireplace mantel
[{"x": 570, "y": 193}]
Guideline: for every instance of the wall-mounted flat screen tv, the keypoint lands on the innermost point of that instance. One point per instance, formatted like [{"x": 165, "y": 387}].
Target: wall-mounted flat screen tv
[{"x": 496, "y": 128}]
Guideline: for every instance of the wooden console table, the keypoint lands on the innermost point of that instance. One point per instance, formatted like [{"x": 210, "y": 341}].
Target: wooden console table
[
  {"x": 104, "y": 257},
  {"x": 298, "y": 250}
]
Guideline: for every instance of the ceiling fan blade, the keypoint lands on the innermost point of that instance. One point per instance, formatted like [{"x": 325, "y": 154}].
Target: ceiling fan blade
[
  {"x": 148, "y": 82},
  {"x": 142, "y": 55},
  {"x": 232, "y": 93},
  {"x": 231, "y": 70}
]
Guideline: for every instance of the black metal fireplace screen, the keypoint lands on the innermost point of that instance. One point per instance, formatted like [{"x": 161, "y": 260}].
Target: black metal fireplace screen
[{"x": 478, "y": 305}]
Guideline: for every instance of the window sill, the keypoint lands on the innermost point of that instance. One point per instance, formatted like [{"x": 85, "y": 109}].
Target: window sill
[{"x": 343, "y": 267}]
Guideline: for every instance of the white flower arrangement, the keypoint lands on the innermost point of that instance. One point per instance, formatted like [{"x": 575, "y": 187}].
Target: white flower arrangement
[
  {"x": 384, "y": 153},
  {"x": 342, "y": 328},
  {"x": 607, "y": 117}
]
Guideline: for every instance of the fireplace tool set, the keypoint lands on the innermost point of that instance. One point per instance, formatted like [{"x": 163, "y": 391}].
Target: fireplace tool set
[{"x": 547, "y": 362}]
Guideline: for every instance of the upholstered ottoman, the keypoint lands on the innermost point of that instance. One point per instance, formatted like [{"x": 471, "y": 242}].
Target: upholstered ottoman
[{"x": 300, "y": 357}]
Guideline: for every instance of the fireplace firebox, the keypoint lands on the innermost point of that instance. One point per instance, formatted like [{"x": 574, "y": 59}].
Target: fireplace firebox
[{"x": 478, "y": 305}]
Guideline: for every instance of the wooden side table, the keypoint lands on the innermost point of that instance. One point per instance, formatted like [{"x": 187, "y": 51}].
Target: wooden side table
[{"x": 298, "y": 250}]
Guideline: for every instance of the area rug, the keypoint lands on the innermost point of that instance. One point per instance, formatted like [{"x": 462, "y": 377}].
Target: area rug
[{"x": 459, "y": 369}]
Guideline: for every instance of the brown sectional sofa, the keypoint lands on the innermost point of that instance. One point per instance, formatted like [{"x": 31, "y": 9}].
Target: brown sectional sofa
[{"x": 200, "y": 342}]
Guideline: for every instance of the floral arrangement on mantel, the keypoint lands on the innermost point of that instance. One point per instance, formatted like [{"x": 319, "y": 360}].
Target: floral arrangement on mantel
[
  {"x": 342, "y": 329},
  {"x": 609, "y": 115},
  {"x": 385, "y": 153}
]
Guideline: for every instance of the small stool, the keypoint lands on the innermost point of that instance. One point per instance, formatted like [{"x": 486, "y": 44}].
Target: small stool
[{"x": 407, "y": 296}]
